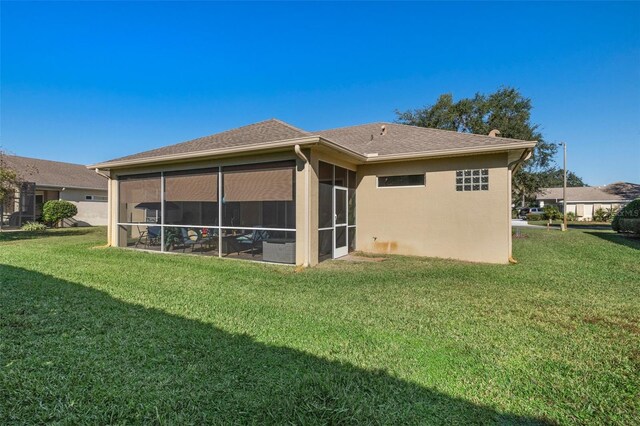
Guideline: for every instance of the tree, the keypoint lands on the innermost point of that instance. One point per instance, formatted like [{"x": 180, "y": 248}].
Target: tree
[
  {"x": 553, "y": 178},
  {"x": 9, "y": 179},
  {"x": 55, "y": 211},
  {"x": 506, "y": 110}
]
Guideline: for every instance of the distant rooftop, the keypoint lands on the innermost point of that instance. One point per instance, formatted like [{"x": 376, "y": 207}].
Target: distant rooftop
[
  {"x": 618, "y": 191},
  {"x": 55, "y": 174}
]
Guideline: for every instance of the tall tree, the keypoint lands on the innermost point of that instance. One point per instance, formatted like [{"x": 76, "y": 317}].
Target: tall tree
[
  {"x": 553, "y": 178},
  {"x": 9, "y": 179},
  {"x": 506, "y": 110}
]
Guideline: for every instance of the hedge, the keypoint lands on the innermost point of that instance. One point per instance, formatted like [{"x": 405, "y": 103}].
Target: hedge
[
  {"x": 535, "y": 216},
  {"x": 629, "y": 214},
  {"x": 629, "y": 225}
]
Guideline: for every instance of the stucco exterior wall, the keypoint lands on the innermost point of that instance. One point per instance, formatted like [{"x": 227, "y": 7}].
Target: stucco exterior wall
[
  {"x": 436, "y": 220},
  {"x": 90, "y": 212}
]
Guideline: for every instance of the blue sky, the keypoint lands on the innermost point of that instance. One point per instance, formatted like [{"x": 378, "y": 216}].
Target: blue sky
[{"x": 85, "y": 82}]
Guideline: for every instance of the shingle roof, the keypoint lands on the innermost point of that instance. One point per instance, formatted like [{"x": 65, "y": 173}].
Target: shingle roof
[
  {"x": 365, "y": 140},
  {"x": 54, "y": 173},
  {"x": 404, "y": 139},
  {"x": 619, "y": 191},
  {"x": 272, "y": 130}
]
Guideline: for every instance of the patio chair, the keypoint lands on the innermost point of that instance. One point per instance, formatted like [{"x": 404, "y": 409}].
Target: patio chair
[
  {"x": 148, "y": 237},
  {"x": 252, "y": 242}
]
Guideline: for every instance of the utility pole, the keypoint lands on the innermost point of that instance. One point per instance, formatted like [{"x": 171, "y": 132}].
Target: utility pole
[{"x": 564, "y": 189}]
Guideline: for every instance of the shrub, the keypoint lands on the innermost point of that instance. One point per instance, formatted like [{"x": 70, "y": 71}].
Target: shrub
[
  {"x": 535, "y": 216},
  {"x": 630, "y": 211},
  {"x": 552, "y": 213},
  {"x": 600, "y": 215},
  {"x": 629, "y": 226},
  {"x": 571, "y": 216},
  {"x": 34, "y": 227},
  {"x": 56, "y": 210}
]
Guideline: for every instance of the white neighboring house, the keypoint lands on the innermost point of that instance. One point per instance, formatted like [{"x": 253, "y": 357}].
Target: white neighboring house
[
  {"x": 584, "y": 201},
  {"x": 46, "y": 180}
]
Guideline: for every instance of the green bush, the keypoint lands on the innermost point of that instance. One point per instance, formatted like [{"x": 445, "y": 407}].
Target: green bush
[
  {"x": 34, "y": 227},
  {"x": 552, "y": 213},
  {"x": 630, "y": 211},
  {"x": 571, "y": 217},
  {"x": 600, "y": 215},
  {"x": 629, "y": 226},
  {"x": 55, "y": 211},
  {"x": 535, "y": 216}
]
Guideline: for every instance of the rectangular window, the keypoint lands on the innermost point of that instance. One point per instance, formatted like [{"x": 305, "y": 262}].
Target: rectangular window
[
  {"x": 472, "y": 180},
  {"x": 403, "y": 180}
]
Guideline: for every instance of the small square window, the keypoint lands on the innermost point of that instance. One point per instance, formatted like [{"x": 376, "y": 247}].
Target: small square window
[{"x": 472, "y": 180}]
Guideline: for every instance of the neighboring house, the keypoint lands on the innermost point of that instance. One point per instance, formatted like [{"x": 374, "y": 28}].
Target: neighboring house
[
  {"x": 46, "y": 180},
  {"x": 584, "y": 201},
  {"x": 270, "y": 191}
]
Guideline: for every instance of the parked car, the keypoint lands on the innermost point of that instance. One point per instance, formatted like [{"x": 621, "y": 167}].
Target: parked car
[{"x": 533, "y": 210}]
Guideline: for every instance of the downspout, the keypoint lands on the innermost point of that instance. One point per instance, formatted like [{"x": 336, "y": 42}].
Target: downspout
[
  {"x": 512, "y": 167},
  {"x": 304, "y": 158},
  {"x": 102, "y": 174}
]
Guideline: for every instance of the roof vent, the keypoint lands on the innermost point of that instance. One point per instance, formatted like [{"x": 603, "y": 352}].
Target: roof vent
[
  {"x": 494, "y": 133},
  {"x": 383, "y": 130},
  {"x": 371, "y": 137}
]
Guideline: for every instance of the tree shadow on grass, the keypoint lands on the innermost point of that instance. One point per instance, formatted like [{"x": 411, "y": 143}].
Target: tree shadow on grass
[
  {"x": 622, "y": 239},
  {"x": 74, "y": 354},
  {"x": 28, "y": 235}
]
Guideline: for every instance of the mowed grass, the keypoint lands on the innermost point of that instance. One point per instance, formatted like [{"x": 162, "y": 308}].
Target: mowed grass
[{"x": 99, "y": 335}]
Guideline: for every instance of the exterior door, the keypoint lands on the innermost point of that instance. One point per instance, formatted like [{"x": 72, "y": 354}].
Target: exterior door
[{"x": 340, "y": 222}]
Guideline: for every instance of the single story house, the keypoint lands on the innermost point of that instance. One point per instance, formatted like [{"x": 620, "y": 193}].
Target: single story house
[
  {"x": 45, "y": 180},
  {"x": 584, "y": 201},
  {"x": 270, "y": 191}
]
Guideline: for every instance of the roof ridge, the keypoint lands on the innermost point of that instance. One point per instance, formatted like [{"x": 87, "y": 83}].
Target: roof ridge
[
  {"x": 465, "y": 134},
  {"x": 277, "y": 120},
  {"x": 349, "y": 127}
]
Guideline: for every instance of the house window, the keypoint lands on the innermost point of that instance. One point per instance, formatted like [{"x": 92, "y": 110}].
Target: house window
[
  {"x": 472, "y": 180},
  {"x": 402, "y": 180},
  {"x": 95, "y": 197}
]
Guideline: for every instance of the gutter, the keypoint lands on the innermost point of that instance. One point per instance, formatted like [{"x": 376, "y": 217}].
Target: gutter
[{"x": 206, "y": 153}]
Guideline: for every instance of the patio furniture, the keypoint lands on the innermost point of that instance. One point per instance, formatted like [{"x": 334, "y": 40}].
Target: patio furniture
[
  {"x": 253, "y": 241},
  {"x": 279, "y": 250},
  {"x": 148, "y": 237}
]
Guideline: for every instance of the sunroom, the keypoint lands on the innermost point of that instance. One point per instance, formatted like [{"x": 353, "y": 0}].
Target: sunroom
[{"x": 245, "y": 211}]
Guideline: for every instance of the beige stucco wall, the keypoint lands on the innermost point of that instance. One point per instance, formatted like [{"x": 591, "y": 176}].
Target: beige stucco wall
[
  {"x": 436, "y": 220},
  {"x": 90, "y": 213}
]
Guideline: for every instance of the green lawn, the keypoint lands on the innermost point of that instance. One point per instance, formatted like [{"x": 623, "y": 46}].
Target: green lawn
[{"x": 102, "y": 335}]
